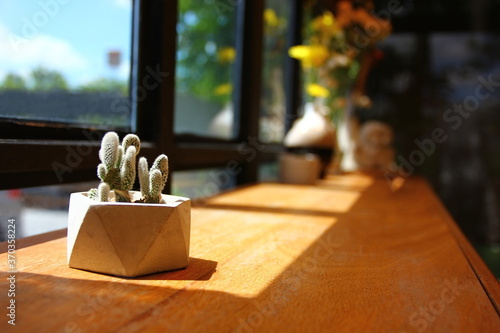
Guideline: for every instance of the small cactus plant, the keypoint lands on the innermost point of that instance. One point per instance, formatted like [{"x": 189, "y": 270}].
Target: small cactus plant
[
  {"x": 117, "y": 171},
  {"x": 152, "y": 181}
]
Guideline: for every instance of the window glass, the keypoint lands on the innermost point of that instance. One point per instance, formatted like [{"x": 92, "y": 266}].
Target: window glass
[
  {"x": 66, "y": 61},
  {"x": 275, "y": 56},
  {"x": 205, "y": 64},
  {"x": 37, "y": 210}
]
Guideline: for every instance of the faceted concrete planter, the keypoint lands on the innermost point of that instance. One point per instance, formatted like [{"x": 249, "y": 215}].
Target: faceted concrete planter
[{"x": 128, "y": 239}]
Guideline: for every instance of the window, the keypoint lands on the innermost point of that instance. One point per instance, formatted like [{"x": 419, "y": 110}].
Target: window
[
  {"x": 274, "y": 67},
  {"x": 57, "y": 66},
  {"x": 129, "y": 70},
  {"x": 218, "y": 91},
  {"x": 206, "y": 54}
]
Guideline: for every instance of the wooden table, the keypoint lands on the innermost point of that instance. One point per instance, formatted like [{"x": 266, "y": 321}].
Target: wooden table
[{"x": 346, "y": 255}]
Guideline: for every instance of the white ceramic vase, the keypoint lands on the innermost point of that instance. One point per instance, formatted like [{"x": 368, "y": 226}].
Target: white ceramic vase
[
  {"x": 314, "y": 134},
  {"x": 312, "y": 129}
]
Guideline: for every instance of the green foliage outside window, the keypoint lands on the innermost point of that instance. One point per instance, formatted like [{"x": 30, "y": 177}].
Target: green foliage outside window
[
  {"x": 43, "y": 79},
  {"x": 205, "y": 50}
]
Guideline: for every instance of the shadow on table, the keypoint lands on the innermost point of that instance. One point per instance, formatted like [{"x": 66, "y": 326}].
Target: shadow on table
[
  {"x": 197, "y": 270},
  {"x": 48, "y": 303}
]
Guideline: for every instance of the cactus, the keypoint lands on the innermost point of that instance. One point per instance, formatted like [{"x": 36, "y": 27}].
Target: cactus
[
  {"x": 153, "y": 181},
  {"x": 118, "y": 164},
  {"x": 117, "y": 170}
]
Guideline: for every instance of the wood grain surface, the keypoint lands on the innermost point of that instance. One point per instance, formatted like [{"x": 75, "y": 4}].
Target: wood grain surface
[{"x": 346, "y": 255}]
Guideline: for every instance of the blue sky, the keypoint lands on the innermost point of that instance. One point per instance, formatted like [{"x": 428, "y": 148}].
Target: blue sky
[{"x": 70, "y": 36}]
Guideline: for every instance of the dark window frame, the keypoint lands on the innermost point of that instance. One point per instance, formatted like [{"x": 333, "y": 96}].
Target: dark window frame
[{"x": 48, "y": 153}]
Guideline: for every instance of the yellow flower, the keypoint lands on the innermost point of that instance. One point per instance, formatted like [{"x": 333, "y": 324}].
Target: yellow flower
[
  {"x": 226, "y": 55},
  {"x": 310, "y": 56},
  {"x": 223, "y": 89},
  {"x": 316, "y": 90},
  {"x": 271, "y": 18},
  {"x": 325, "y": 23}
]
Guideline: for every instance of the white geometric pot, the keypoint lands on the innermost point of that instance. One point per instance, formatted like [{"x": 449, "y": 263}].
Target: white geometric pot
[{"x": 128, "y": 239}]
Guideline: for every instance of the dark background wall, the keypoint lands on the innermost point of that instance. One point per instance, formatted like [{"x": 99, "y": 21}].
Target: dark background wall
[{"x": 441, "y": 70}]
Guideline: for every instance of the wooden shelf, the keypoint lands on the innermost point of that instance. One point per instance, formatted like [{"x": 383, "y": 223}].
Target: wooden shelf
[{"x": 348, "y": 254}]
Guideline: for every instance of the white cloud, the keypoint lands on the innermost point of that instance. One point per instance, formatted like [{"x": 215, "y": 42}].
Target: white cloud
[
  {"x": 20, "y": 55},
  {"x": 120, "y": 73},
  {"x": 123, "y": 3}
]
